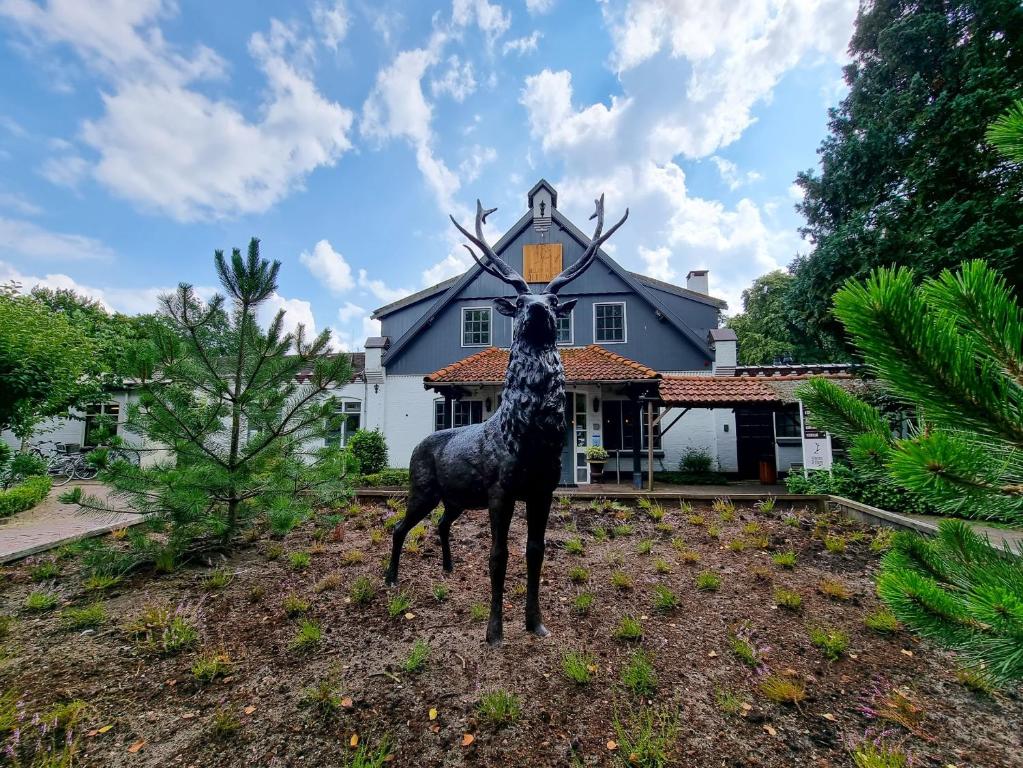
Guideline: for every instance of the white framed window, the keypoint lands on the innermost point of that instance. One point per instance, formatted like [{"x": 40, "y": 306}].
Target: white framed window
[
  {"x": 347, "y": 420},
  {"x": 463, "y": 413},
  {"x": 101, "y": 421},
  {"x": 476, "y": 324},
  {"x": 609, "y": 323},
  {"x": 563, "y": 328}
]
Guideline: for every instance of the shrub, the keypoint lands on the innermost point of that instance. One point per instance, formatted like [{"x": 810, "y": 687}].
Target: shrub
[
  {"x": 578, "y": 667},
  {"x": 638, "y": 674},
  {"x": 388, "y": 478},
  {"x": 24, "y": 496},
  {"x": 309, "y": 635},
  {"x": 647, "y": 737},
  {"x": 629, "y": 629},
  {"x": 708, "y": 581},
  {"x": 583, "y": 603},
  {"x": 88, "y": 617},
  {"x": 831, "y": 642},
  {"x": 782, "y": 689},
  {"x": 578, "y": 574},
  {"x": 164, "y": 629},
  {"x": 362, "y": 590},
  {"x": 417, "y": 657},
  {"x": 294, "y": 606},
  {"x": 784, "y": 559},
  {"x": 787, "y": 599},
  {"x": 369, "y": 449},
  {"x": 399, "y": 604},
  {"x": 211, "y": 665},
  {"x": 665, "y": 600},
  {"x": 695, "y": 461},
  {"x": 883, "y": 621},
  {"x": 499, "y": 707},
  {"x": 40, "y": 601}
]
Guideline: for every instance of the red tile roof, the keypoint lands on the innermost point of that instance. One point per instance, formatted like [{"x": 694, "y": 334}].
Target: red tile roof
[
  {"x": 582, "y": 364},
  {"x": 715, "y": 390}
]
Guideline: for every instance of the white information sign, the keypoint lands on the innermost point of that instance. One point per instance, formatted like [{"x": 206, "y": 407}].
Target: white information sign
[{"x": 816, "y": 444}]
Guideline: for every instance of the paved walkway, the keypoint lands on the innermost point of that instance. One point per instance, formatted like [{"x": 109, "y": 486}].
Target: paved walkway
[{"x": 52, "y": 523}]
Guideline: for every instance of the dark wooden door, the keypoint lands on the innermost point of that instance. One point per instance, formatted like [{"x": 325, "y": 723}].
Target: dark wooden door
[{"x": 754, "y": 440}]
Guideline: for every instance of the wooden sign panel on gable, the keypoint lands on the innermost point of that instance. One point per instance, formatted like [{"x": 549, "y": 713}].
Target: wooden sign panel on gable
[{"x": 541, "y": 262}]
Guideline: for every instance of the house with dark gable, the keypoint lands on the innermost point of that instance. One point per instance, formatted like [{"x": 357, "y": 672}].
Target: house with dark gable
[{"x": 440, "y": 359}]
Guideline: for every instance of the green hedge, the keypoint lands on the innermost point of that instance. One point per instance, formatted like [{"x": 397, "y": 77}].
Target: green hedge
[
  {"x": 385, "y": 477},
  {"x": 684, "y": 478},
  {"x": 846, "y": 481},
  {"x": 24, "y": 496}
]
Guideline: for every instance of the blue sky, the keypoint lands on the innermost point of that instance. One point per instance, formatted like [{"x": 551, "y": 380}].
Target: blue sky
[{"x": 138, "y": 136}]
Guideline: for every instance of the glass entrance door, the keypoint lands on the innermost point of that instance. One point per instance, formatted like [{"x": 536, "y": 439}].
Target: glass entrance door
[{"x": 579, "y": 436}]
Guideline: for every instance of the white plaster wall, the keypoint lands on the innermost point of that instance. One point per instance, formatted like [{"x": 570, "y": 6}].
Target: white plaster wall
[
  {"x": 724, "y": 426},
  {"x": 408, "y": 416},
  {"x": 694, "y": 430}
]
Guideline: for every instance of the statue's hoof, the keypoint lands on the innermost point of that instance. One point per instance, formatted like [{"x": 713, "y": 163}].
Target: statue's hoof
[
  {"x": 539, "y": 630},
  {"x": 495, "y": 635},
  {"x": 391, "y": 582}
]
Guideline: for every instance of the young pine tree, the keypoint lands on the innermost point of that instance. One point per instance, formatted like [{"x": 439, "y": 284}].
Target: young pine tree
[
  {"x": 238, "y": 412},
  {"x": 953, "y": 349}
]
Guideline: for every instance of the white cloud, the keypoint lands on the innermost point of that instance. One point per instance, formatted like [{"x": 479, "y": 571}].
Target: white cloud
[
  {"x": 479, "y": 157},
  {"x": 349, "y": 311},
  {"x": 65, "y": 170},
  {"x": 796, "y": 192},
  {"x": 32, "y": 241},
  {"x": 296, "y": 312},
  {"x": 657, "y": 261},
  {"x": 332, "y": 20},
  {"x": 380, "y": 290},
  {"x": 127, "y": 300},
  {"x": 539, "y": 6},
  {"x": 15, "y": 202},
  {"x": 451, "y": 265},
  {"x": 731, "y": 175},
  {"x": 489, "y": 17},
  {"x": 522, "y": 45},
  {"x": 210, "y": 160},
  {"x": 328, "y": 267},
  {"x": 457, "y": 81},
  {"x": 353, "y": 338}
]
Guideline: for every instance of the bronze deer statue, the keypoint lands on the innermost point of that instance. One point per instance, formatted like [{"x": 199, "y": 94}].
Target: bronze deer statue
[{"x": 515, "y": 455}]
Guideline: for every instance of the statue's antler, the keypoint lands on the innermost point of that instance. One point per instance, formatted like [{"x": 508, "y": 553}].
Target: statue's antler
[
  {"x": 579, "y": 267},
  {"x": 491, "y": 262}
]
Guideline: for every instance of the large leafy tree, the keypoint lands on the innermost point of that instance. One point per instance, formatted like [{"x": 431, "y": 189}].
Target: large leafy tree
[
  {"x": 242, "y": 423},
  {"x": 765, "y": 331},
  {"x": 906, "y": 175},
  {"x": 45, "y": 362},
  {"x": 952, "y": 348}
]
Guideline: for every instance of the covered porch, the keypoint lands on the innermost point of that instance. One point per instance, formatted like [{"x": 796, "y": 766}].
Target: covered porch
[{"x": 604, "y": 405}]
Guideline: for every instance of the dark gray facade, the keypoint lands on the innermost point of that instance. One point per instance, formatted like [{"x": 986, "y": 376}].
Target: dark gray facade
[{"x": 666, "y": 326}]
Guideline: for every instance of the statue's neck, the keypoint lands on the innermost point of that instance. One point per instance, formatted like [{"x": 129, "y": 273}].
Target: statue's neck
[{"x": 533, "y": 401}]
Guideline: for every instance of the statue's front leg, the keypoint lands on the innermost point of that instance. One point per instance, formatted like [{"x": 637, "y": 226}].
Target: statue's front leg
[
  {"x": 537, "y": 512},
  {"x": 500, "y": 521}
]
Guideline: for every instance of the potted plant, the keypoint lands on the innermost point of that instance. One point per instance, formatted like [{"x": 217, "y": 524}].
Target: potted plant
[{"x": 597, "y": 457}]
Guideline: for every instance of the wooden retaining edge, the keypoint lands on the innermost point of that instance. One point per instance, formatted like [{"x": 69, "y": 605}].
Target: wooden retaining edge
[{"x": 865, "y": 513}]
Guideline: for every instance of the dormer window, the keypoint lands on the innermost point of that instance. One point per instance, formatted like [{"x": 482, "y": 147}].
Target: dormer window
[{"x": 476, "y": 326}]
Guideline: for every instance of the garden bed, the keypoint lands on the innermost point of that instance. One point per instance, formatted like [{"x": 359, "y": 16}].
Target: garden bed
[{"x": 272, "y": 703}]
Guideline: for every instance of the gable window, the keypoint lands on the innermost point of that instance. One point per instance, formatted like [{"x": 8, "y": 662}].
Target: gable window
[
  {"x": 618, "y": 422},
  {"x": 347, "y": 420},
  {"x": 440, "y": 420},
  {"x": 476, "y": 327},
  {"x": 101, "y": 422},
  {"x": 564, "y": 329},
  {"x": 609, "y": 323}
]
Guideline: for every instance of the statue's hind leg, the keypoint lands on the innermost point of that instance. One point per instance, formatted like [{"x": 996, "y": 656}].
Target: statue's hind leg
[
  {"x": 444, "y": 531},
  {"x": 419, "y": 506}
]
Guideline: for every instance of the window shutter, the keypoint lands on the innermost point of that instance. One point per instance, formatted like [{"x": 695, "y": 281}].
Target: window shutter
[{"x": 541, "y": 262}]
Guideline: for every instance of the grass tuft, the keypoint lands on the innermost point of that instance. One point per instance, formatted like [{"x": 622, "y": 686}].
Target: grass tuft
[
  {"x": 622, "y": 581},
  {"x": 638, "y": 674},
  {"x": 309, "y": 636},
  {"x": 629, "y": 629},
  {"x": 833, "y": 589},
  {"x": 294, "y": 606},
  {"x": 399, "y": 604},
  {"x": 578, "y": 575},
  {"x": 578, "y": 667},
  {"x": 417, "y": 657},
  {"x": 499, "y": 707},
  {"x": 787, "y": 599},
  {"x": 299, "y": 560},
  {"x": 882, "y": 621},
  {"x": 362, "y": 590},
  {"x": 40, "y": 600},
  {"x": 583, "y": 603},
  {"x": 665, "y": 600},
  {"x": 784, "y": 559},
  {"x": 782, "y": 689},
  {"x": 88, "y": 617},
  {"x": 209, "y": 666},
  {"x": 831, "y": 642},
  {"x": 708, "y": 581}
]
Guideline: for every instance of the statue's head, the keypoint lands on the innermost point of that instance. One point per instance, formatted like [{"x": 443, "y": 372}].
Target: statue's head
[{"x": 535, "y": 314}]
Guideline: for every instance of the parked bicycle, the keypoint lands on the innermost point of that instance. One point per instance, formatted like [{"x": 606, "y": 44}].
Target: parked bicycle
[{"x": 64, "y": 462}]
